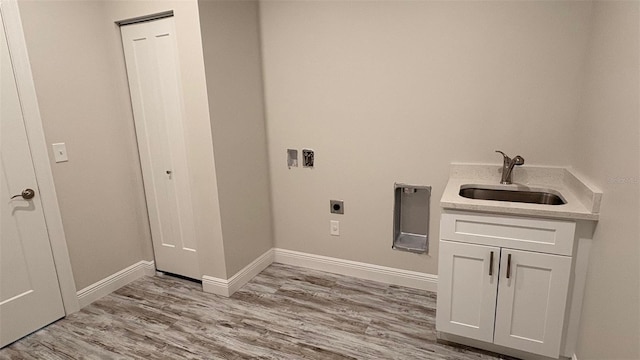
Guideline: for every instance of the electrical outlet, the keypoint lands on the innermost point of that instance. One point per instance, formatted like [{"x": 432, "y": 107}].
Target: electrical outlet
[
  {"x": 334, "y": 229},
  {"x": 336, "y": 206}
]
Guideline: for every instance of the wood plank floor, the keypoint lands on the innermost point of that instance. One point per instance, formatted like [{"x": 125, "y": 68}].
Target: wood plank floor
[{"x": 284, "y": 313}]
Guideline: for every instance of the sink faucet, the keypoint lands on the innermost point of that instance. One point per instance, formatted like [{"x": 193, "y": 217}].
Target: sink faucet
[{"x": 507, "y": 167}]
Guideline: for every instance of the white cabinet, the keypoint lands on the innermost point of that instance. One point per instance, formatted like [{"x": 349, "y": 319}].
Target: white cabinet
[
  {"x": 467, "y": 285},
  {"x": 532, "y": 295},
  {"x": 489, "y": 290}
]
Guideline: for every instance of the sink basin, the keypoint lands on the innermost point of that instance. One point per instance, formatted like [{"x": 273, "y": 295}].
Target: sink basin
[{"x": 512, "y": 194}]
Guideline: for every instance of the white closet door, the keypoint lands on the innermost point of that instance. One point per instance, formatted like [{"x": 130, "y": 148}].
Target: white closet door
[
  {"x": 29, "y": 290},
  {"x": 151, "y": 56}
]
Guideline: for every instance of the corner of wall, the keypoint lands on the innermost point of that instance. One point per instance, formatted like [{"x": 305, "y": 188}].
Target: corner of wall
[{"x": 232, "y": 58}]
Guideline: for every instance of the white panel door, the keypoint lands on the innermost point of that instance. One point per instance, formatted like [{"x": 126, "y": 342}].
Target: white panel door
[
  {"x": 532, "y": 301},
  {"x": 467, "y": 285},
  {"x": 151, "y": 56},
  {"x": 29, "y": 290}
]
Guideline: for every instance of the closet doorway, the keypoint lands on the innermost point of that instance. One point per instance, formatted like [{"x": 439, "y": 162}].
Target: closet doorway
[{"x": 151, "y": 57}]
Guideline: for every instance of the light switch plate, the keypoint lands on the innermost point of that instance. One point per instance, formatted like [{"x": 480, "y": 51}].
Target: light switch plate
[
  {"x": 334, "y": 228},
  {"x": 60, "y": 152}
]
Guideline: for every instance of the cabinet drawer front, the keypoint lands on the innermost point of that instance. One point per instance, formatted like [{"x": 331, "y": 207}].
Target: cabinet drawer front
[{"x": 541, "y": 235}]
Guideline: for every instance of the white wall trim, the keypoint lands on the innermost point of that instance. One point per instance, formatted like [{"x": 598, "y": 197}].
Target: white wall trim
[
  {"x": 383, "y": 274},
  {"x": 356, "y": 269},
  {"x": 226, "y": 288},
  {"x": 215, "y": 285},
  {"x": 115, "y": 281},
  {"x": 39, "y": 153}
]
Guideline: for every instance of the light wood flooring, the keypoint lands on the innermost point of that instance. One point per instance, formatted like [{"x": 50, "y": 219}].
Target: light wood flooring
[{"x": 284, "y": 313}]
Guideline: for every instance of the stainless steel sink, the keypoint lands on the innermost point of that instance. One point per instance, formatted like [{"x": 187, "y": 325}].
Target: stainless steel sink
[{"x": 512, "y": 194}]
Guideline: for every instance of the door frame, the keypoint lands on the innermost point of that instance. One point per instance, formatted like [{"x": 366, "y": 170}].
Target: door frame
[{"x": 38, "y": 146}]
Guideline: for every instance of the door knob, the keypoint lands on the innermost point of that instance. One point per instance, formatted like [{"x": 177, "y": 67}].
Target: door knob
[{"x": 26, "y": 194}]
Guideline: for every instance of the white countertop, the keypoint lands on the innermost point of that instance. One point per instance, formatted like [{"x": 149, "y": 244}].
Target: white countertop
[{"x": 583, "y": 199}]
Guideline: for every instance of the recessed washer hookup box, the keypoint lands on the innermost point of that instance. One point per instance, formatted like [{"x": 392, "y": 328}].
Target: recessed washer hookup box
[{"x": 411, "y": 218}]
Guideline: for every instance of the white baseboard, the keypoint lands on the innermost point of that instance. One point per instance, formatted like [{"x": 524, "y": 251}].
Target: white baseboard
[
  {"x": 226, "y": 288},
  {"x": 115, "y": 281},
  {"x": 360, "y": 270}
]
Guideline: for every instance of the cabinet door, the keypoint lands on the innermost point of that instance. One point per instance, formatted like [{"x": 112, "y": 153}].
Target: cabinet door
[
  {"x": 532, "y": 301},
  {"x": 467, "y": 285}
]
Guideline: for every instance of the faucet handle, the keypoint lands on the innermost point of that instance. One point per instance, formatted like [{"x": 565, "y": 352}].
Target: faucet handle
[{"x": 518, "y": 160}]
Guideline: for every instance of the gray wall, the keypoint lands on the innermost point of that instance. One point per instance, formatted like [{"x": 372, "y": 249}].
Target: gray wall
[
  {"x": 200, "y": 157},
  {"x": 233, "y": 66},
  {"x": 384, "y": 92},
  {"x": 394, "y": 91},
  {"x": 80, "y": 78},
  {"x": 608, "y": 153},
  {"x": 81, "y": 101}
]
